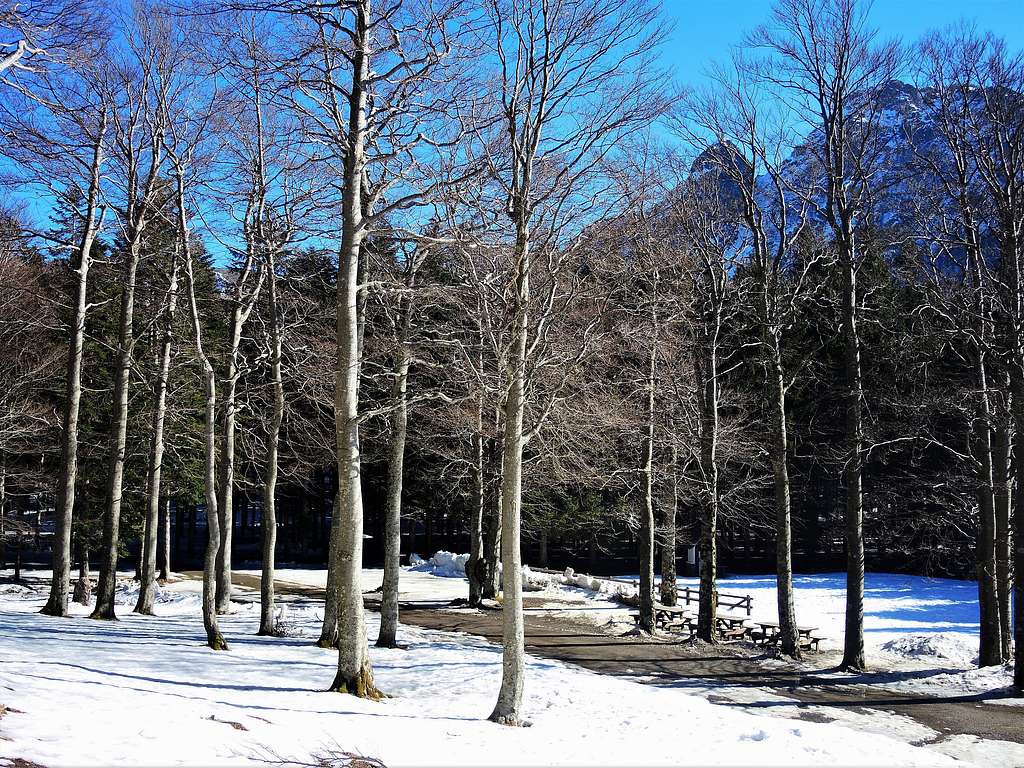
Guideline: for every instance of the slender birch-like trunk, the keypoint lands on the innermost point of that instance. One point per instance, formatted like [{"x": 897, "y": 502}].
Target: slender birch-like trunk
[
  {"x": 57, "y": 603},
  {"x": 147, "y": 587},
  {"x": 647, "y": 526},
  {"x": 853, "y": 471},
  {"x": 386, "y": 637},
  {"x": 269, "y": 524},
  {"x": 214, "y": 638},
  {"x": 780, "y": 480},
  {"x": 707, "y": 606}
]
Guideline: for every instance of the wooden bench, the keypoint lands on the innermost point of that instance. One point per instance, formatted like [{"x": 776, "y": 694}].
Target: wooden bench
[
  {"x": 736, "y": 633},
  {"x": 810, "y": 642}
]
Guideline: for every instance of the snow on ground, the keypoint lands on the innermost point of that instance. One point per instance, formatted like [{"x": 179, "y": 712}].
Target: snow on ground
[{"x": 145, "y": 691}]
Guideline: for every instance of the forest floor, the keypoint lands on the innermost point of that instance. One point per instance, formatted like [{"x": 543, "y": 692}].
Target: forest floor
[{"x": 737, "y": 674}]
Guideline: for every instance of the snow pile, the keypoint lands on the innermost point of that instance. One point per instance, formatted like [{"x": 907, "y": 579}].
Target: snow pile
[
  {"x": 447, "y": 564},
  {"x": 943, "y": 647},
  {"x": 615, "y": 589}
]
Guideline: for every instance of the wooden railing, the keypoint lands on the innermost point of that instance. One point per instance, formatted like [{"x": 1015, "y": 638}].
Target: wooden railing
[{"x": 686, "y": 595}]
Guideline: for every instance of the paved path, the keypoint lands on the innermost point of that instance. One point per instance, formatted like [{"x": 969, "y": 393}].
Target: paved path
[{"x": 728, "y": 666}]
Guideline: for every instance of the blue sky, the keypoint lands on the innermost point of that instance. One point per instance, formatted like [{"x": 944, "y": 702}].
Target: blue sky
[{"x": 706, "y": 29}]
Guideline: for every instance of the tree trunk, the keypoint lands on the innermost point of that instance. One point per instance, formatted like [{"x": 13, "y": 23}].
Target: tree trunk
[
  {"x": 513, "y": 670},
  {"x": 83, "y": 587},
  {"x": 147, "y": 587},
  {"x": 354, "y": 673},
  {"x": 707, "y": 608},
  {"x": 853, "y": 644},
  {"x": 646, "y": 623},
  {"x": 269, "y": 522},
  {"x": 475, "y": 564},
  {"x": 104, "y": 608},
  {"x": 214, "y": 638},
  {"x": 393, "y": 507},
  {"x": 780, "y": 475},
  {"x": 57, "y": 604},
  {"x": 492, "y": 521},
  {"x": 1017, "y": 407},
  {"x": 1001, "y": 455},
  {"x": 225, "y": 502},
  {"x": 165, "y": 553},
  {"x": 329, "y": 628},
  {"x": 669, "y": 587}
]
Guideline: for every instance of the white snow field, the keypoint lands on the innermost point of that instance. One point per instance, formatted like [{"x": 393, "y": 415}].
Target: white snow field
[{"x": 146, "y": 691}]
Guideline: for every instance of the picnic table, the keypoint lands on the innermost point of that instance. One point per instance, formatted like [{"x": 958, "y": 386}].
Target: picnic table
[
  {"x": 771, "y": 632},
  {"x": 733, "y": 627},
  {"x": 670, "y": 617}
]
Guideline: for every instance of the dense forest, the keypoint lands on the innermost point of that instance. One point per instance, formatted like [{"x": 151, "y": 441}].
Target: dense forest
[{"x": 343, "y": 282}]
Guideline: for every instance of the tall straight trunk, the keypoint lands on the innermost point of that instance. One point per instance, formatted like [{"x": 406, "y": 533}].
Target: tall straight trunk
[
  {"x": 214, "y": 638},
  {"x": 475, "y": 564},
  {"x": 225, "y": 502},
  {"x": 669, "y": 587},
  {"x": 513, "y": 664},
  {"x": 853, "y": 643},
  {"x": 165, "y": 552},
  {"x": 386, "y": 637},
  {"x": 646, "y": 623},
  {"x": 147, "y": 587},
  {"x": 1017, "y": 408},
  {"x": 354, "y": 673},
  {"x": 989, "y": 642},
  {"x": 780, "y": 477},
  {"x": 707, "y": 607},
  {"x": 57, "y": 603},
  {"x": 118, "y": 436},
  {"x": 1002, "y": 467},
  {"x": 492, "y": 517},
  {"x": 269, "y": 523}
]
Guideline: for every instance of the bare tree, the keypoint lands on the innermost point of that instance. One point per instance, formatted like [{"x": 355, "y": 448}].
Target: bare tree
[
  {"x": 827, "y": 65},
  {"x": 564, "y": 95},
  {"x": 138, "y": 124}
]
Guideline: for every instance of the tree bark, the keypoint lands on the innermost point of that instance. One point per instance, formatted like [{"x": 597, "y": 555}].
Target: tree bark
[
  {"x": 783, "y": 523},
  {"x": 475, "y": 565},
  {"x": 669, "y": 587},
  {"x": 1002, "y": 461},
  {"x": 386, "y": 637},
  {"x": 513, "y": 669},
  {"x": 57, "y": 603},
  {"x": 707, "y": 608},
  {"x": 354, "y": 673},
  {"x": 646, "y": 623},
  {"x": 269, "y": 522},
  {"x": 165, "y": 553},
  {"x": 147, "y": 586},
  {"x": 83, "y": 587},
  {"x": 853, "y": 643},
  {"x": 214, "y": 638}
]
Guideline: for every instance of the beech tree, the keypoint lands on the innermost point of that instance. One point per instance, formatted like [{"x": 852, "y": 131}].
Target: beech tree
[
  {"x": 564, "y": 97},
  {"x": 827, "y": 63}
]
